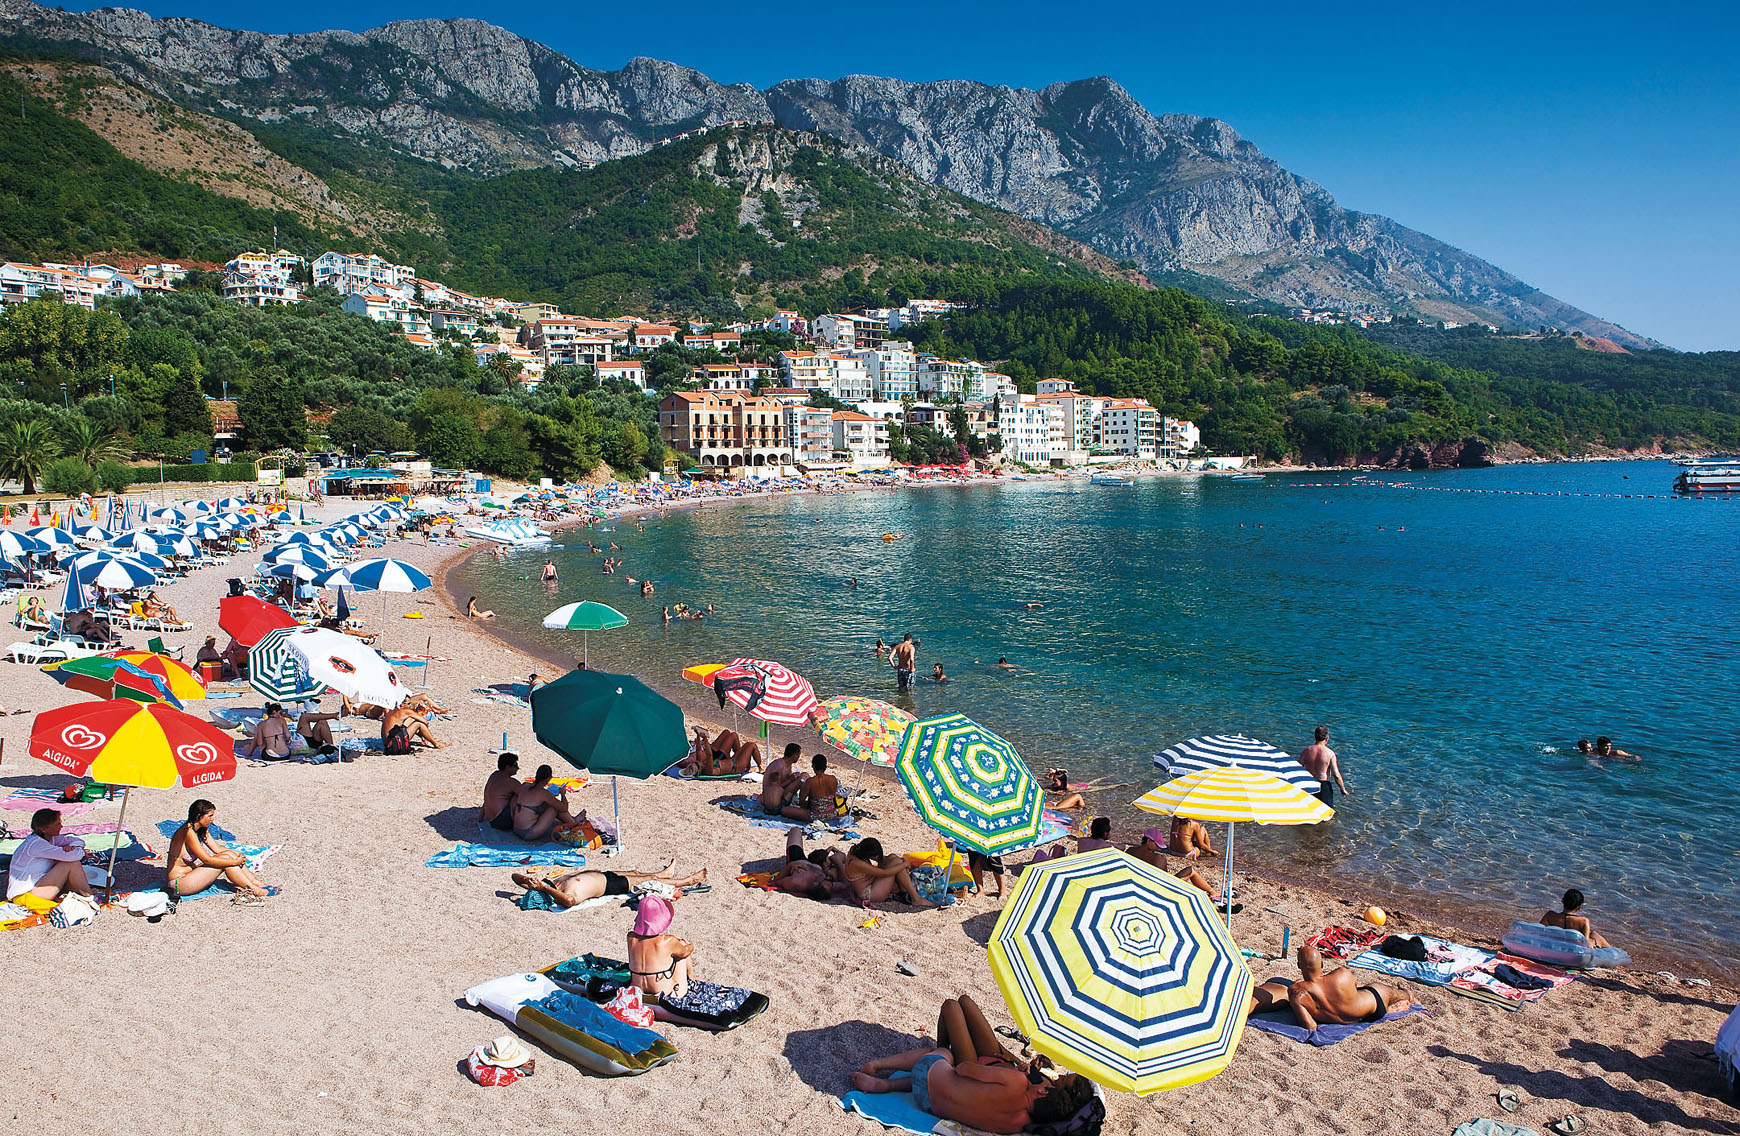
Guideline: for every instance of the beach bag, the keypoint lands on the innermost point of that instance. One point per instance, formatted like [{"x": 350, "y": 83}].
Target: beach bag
[
  {"x": 494, "y": 1076},
  {"x": 1407, "y": 949},
  {"x": 397, "y": 741},
  {"x": 72, "y": 911},
  {"x": 577, "y": 834}
]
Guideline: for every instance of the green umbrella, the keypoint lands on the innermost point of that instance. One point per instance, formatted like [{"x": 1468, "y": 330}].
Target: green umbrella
[
  {"x": 609, "y": 723},
  {"x": 585, "y": 617}
]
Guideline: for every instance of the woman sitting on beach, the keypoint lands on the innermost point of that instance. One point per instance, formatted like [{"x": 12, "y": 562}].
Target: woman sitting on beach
[
  {"x": 197, "y": 859},
  {"x": 573, "y": 888},
  {"x": 875, "y": 875},
  {"x": 968, "y": 1077},
  {"x": 537, "y": 811},
  {"x": 271, "y": 737},
  {"x": 472, "y": 611},
  {"x": 659, "y": 963},
  {"x": 47, "y": 865},
  {"x": 817, "y": 801}
]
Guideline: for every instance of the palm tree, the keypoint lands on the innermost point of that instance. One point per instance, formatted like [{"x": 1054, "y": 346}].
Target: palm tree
[
  {"x": 25, "y": 449},
  {"x": 86, "y": 441}
]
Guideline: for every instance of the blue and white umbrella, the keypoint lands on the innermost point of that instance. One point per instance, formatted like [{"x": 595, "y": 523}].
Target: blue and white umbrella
[
  {"x": 205, "y": 530},
  {"x": 298, "y": 554},
  {"x": 53, "y": 537},
  {"x": 230, "y": 504},
  {"x": 293, "y": 569},
  {"x": 160, "y": 543},
  {"x": 97, "y": 533},
  {"x": 1220, "y": 751},
  {"x": 14, "y": 545},
  {"x": 118, "y": 574},
  {"x": 74, "y": 598},
  {"x": 282, "y": 517},
  {"x": 239, "y": 520},
  {"x": 165, "y": 513},
  {"x": 302, "y": 538},
  {"x": 99, "y": 555},
  {"x": 194, "y": 505},
  {"x": 383, "y": 575}
]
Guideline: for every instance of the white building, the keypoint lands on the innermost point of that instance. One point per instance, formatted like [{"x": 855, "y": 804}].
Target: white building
[
  {"x": 863, "y": 438},
  {"x": 885, "y": 410},
  {"x": 260, "y": 289},
  {"x": 1179, "y": 437},
  {"x": 376, "y": 305},
  {"x": 893, "y": 369},
  {"x": 347, "y": 273},
  {"x": 917, "y": 311},
  {"x": 811, "y": 430},
  {"x": 21, "y": 283},
  {"x": 1129, "y": 426},
  {"x": 849, "y": 332},
  {"x": 622, "y": 370},
  {"x": 1032, "y": 430}
]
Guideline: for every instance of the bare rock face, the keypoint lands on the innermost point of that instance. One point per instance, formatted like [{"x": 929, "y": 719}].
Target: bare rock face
[{"x": 1167, "y": 192}]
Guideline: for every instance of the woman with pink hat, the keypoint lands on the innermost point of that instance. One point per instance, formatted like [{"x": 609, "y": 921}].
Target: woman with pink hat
[{"x": 660, "y": 963}]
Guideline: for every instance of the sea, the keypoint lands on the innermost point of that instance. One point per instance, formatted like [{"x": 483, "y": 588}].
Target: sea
[{"x": 1458, "y": 632}]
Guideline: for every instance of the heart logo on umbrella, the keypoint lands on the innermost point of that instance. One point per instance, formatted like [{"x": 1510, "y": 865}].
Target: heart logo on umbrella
[
  {"x": 197, "y": 753},
  {"x": 82, "y": 737}
]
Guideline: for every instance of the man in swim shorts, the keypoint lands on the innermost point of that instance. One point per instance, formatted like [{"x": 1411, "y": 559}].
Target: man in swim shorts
[
  {"x": 498, "y": 792},
  {"x": 903, "y": 659},
  {"x": 1319, "y": 761},
  {"x": 1333, "y": 999},
  {"x": 571, "y": 888}
]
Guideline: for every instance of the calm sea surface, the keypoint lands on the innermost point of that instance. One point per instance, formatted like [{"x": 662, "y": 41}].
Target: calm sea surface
[{"x": 1455, "y": 634}]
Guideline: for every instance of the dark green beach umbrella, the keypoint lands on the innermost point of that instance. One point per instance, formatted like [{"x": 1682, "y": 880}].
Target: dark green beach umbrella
[{"x": 609, "y": 723}]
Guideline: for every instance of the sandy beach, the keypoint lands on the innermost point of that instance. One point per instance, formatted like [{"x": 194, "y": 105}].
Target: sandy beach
[{"x": 337, "y": 1007}]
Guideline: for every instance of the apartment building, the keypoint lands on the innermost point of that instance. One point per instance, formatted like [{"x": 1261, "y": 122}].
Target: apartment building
[
  {"x": 1032, "y": 429},
  {"x": 893, "y": 369},
  {"x": 354, "y": 273},
  {"x": 863, "y": 438},
  {"x": 811, "y": 430},
  {"x": 726, "y": 429}
]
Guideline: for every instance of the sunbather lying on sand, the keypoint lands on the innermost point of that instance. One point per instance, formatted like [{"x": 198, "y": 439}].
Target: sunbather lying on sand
[
  {"x": 970, "y": 1078},
  {"x": 820, "y": 875},
  {"x": 1333, "y": 999},
  {"x": 875, "y": 875},
  {"x": 571, "y": 888},
  {"x": 726, "y": 755}
]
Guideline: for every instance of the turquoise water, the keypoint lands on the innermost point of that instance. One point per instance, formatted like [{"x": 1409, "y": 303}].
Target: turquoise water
[{"x": 1456, "y": 631}]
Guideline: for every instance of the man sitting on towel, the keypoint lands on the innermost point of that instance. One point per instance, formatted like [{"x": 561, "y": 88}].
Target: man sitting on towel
[
  {"x": 1333, "y": 999},
  {"x": 970, "y": 1078},
  {"x": 498, "y": 792}
]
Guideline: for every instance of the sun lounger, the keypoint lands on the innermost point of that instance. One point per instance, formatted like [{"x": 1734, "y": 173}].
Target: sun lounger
[{"x": 572, "y": 1027}]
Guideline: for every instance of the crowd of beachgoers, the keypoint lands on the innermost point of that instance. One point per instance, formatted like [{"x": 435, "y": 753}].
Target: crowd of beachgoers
[{"x": 388, "y": 899}]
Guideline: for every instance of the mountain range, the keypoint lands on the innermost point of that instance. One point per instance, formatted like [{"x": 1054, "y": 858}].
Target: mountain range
[{"x": 1183, "y": 198}]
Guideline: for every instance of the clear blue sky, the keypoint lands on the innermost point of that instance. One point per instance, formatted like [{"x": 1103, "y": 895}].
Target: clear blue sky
[{"x": 1591, "y": 149}]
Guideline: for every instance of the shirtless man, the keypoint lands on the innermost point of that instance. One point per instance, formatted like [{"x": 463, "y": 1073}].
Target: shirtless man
[
  {"x": 970, "y": 1078},
  {"x": 818, "y": 799},
  {"x": 1333, "y": 999},
  {"x": 820, "y": 875},
  {"x": 781, "y": 780},
  {"x": 1570, "y": 921},
  {"x": 498, "y": 792},
  {"x": 417, "y": 725},
  {"x": 537, "y": 811},
  {"x": 1605, "y": 749},
  {"x": 549, "y": 571},
  {"x": 903, "y": 659},
  {"x": 1319, "y": 761},
  {"x": 572, "y": 888},
  {"x": 1151, "y": 849}
]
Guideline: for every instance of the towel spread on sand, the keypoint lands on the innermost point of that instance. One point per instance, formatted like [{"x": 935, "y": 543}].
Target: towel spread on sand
[
  {"x": 257, "y": 855},
  {"x": 1481, "y": 1126},
  {"x": 1487, "y": 981},
  {"x": 897, "y": 1110},
  {"x": 1445, "y": 960},
  {"x": 749, "y": 808},
  {"x": 464, "y": 855},
  {"x": 1283, "y": 1024}
]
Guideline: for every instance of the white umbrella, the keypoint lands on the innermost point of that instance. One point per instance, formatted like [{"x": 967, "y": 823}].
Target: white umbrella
[{"x": 348, "y": 665}]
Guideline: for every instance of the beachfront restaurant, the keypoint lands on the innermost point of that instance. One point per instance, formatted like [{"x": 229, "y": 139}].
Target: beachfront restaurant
[{"x": 367, "y": 483}]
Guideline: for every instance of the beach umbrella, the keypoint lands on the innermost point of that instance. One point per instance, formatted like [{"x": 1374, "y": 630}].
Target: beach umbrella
[
  {"x": 165, "y": 513},
  {"x": 118, "y": 574},
  {"x": 585, "y": 617},
  {"x": 301, "y": 538},
  {"x": 75, "y": 597},
  {"x": 180, "y": 678},
  {"x": 306, "y": 554},
  {"x": 157, "y": 543},
  {"x": 970, "y": 785},
  {"x": 1121, "y": 972},
  {"x": 282, "y": 517},
  {"x": 1233, "y": 795},
  {"x": 96, "y": 533},
  {"x": 292, "y": 570},
  {"x": 864, "y": 728},
  {"x": 767, "y": 690},
  {"x": 381, "y": 575},
  {"x": 108, "y": 677},
  {"x": 52, "y": 537},
  {"x": 205, "y": 530},
  {"x": 346, "y": 664},
  {"x": 230, "y": 504},
  {"x": 246, "y": 619},
  {"x": 132, "y": 744},
  {"x": 609, "y": 723},
  {"x": 277, "y": 673},
  {"x": 1218, "y": 751},
  {"x": 196, "y": 505},
  {"x": 14, "y": 545}
]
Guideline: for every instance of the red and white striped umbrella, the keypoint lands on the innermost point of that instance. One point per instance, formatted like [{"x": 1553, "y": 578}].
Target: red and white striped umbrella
[{"x": 768, "y": 691}]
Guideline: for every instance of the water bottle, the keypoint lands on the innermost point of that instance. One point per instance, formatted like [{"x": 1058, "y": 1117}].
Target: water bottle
[{"x": 1286, "y": 940}]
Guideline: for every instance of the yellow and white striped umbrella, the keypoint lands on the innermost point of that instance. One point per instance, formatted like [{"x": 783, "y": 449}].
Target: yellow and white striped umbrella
[{"x": 1234, "y": 795}]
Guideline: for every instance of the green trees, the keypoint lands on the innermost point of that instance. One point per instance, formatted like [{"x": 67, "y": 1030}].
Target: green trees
[
  {"x": 272, "y": 411},
  {"x": 90, "y": 443},
  {"x": 26, "y": 448},
  {"x": 361, "y": 429},
  {"x": 450, "y": 439},
  {"x": 69, "y": 475}
]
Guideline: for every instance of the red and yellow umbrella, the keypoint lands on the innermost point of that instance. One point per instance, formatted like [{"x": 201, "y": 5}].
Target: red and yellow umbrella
[
  {"x": 178, "y": 676},
  {"x": 121, "y": 742}
]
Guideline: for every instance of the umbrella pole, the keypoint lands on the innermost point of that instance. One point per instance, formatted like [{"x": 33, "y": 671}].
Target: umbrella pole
[
  {"x": 949, "y": 872},
  {"x": 615, "y": 812},
  {"x": 1226, "y": 875},
  {"x": 115, "y": 848}
]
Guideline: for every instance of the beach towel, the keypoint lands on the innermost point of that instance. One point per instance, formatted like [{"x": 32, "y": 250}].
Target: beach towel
[
  {"x": 464, "y": 855},
  {"x": 897, "y": 1110},
  {"x": 762, "y": 880},
  {"x": 97, "y": 846},
  {"x": 1344, "y": 942},
  {"x": 1481, "y": 1126},
  {"x": 1283, "y": 1024},
  {"x": 1445, "y": 960},
  {"x": 29, "y": 800},
  {"x": 1508, "y": 981},
  {"x": 749, "y": 808}
]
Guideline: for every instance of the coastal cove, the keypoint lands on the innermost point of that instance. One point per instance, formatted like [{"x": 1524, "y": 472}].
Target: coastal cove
[{"x": 1458, "y": 632}]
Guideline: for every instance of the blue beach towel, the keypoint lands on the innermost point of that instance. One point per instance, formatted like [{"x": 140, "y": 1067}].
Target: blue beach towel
[
  {"x": 256, "y": 854},
  {"x": 463, "y": 855},
  {"x": 1283, "y": 1024},
  {"x": 749, "y": 808},
  {"x": 1434, "y": 973},
  {"x": 891, "y": 1110}
]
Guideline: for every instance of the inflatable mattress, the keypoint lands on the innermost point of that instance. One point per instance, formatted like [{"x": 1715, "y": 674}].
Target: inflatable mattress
[
  {"x": 1560, "y": 946},
  {"x": 707, "y": 1005},
  {"x": 571, "y": 1026}
]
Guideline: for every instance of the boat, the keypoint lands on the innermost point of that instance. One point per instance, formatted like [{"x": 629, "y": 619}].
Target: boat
[
  {"x": 516, "y": 531},
  {"x": 1242, "y": 476},
  {"x": 1112, "y": 479},
  {"x": 1723, "y": 477}
]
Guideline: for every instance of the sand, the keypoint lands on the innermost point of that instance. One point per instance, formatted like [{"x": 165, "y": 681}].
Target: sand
[{"x": 336, "y": 1008}]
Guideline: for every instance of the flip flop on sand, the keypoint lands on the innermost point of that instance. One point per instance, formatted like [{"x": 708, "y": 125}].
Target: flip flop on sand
[
  {"x": 1508, "y": 1100},
  {"x": 1568, "y": 1125}
]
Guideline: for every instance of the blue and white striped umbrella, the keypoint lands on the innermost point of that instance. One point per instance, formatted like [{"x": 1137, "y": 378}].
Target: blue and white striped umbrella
[
  {"x": 53, "y": 537},
  {"x": 97, "y": 533},
  {"x": 1220, "y": 751},
  {"x": 98, "y": 555},
  {"x": 165, "y": 513},
  {"x": 205, "y": 530},
  {"x": 379, "y": 575},
  {"x": 292, "y": 569},
  {"x": 302, "y": 538},
  {"x": 230, "y": 504},
  {"x": 118, "y": 574},
  {"x": 160, "y": 543},
  {"x": 74, "y": 598},
  {"x": 239, "y": 520},
  {"x": 16, "y": 544},
  {"x": 298, "y": 554},
  {"x": 282, "y": 517},
  {"x": 339, "y": 536}
]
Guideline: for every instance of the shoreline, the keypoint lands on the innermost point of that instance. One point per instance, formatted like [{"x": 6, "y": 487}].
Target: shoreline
[{"x": 1463, "y": 919}]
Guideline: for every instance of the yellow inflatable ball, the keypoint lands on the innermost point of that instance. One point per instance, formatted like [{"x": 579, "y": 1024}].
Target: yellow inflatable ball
[{"x": 1375, "y": 916}]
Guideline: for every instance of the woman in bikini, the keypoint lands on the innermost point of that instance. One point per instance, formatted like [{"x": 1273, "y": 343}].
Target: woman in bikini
[
  {"x": 1056, "y": 781},
  {"x": 874, "y": 875},
  {"x": 197, "y": 860},
  {"x": 659, "y": 963},
  {"x": 537, "y": 811},
  {"x": 572, "y": 888}
]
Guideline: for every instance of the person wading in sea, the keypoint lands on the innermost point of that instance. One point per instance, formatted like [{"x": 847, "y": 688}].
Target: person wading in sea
[
  {"x": 1319, "y": 761},
  {"x": 903, "y": 659}
]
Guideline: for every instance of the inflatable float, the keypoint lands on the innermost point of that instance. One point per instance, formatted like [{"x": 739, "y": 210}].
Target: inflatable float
[
  {"x": 1560, "y": 946},
  {"x": 707, "y": 1006},
  {"x": 571, "y": 1026}
]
